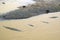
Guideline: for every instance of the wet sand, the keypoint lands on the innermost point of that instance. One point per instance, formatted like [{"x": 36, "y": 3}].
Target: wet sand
[
  {"x": 40, "y": 30},
  {"x": 11, "y": 5}
]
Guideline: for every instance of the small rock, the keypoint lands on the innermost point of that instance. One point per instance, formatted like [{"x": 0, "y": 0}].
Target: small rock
[
  {"x": 47, "y": 11},
  {"x": 23, "y": 6},
  {"x": 45, "y": 22},
  {"x": 54, "y": 17},
  {"x": 14, "y": 29},
  {"x": 3, "y": 2},
  {"x": 31, "y": 25}
]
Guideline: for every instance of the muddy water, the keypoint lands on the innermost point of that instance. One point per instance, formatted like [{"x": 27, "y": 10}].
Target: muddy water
[{"x": 40, "y": 30}]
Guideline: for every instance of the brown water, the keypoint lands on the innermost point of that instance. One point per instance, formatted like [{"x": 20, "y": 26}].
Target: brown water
[{"x": 44, "y": 28}]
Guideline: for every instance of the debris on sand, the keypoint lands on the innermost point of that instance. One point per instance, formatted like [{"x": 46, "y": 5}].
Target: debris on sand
[
  {"x": 31, "y": 25},
  {"x": 3, "y": 2},
  {"x": 45, "y": 22},
  {"x": 14, "y": 29},
  {"x": 54, "y": 17}
]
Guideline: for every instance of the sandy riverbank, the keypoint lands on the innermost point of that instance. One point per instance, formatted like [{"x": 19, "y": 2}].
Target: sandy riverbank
[{"x": 42, "y": 27}]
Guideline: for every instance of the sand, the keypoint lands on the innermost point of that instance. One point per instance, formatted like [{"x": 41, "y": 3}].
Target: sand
[
  {"x": 41, "y": 27},
  {"x": 11, "y": 5}
]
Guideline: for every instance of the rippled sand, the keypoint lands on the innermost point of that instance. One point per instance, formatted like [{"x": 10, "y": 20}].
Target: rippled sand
[{"x": 42, "y": 27}]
